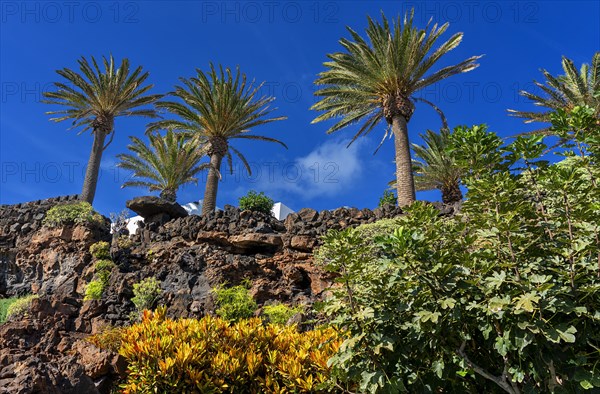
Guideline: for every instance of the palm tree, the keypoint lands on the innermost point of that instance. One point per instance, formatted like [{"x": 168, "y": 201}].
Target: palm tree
[
  {"x": 217, "y": 108},
  {"x": 166, "y": 163},
  {"x": 375, "y": 80},
  {"x": 93, "y": 99},
  {"x": 565, "y": 92},
  {"x": 435, "y": 168}
]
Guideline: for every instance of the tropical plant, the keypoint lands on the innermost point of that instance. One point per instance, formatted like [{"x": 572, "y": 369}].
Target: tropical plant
[
  {"x": 165, "y": 164},
  {"x": 388, "y": 198},
  {"x": 279, "y": 313},
  {"x": 564, "y": 92},
  {"x": 434, "y": 166},
  {"x": 502, "y": 297},
  {"x": 94, "y": 290},
  {"x": 218, "y": 107},
  {"x": 258, "y": 202},
  {"x": 375, "y": 81},
  {"x": 12, "y": 307},
  {"x": 100, "y": 250},
  {"x": 93, "y": 99},
  {"x": 145, "y": 293},
  {"x": 212, "y": 355},
  {"x": 234, "y": 303},
  {"x": 72, "y": 213}
]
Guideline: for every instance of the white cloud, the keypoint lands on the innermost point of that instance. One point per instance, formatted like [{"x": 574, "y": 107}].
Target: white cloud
[{"x": 329, "y": 169}]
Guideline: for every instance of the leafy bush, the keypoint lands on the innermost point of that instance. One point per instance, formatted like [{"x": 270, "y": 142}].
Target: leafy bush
[
  {"x": 12, "y": 307},
  {"x": 94, "y": 290},
  {"x": 100, "y": 250},
  {"x": 4, "y": 304},
  {"x": 72, "y": 213},
  {"x": 103, "y": 269},
  {"x": 234, "y": 303},
  {"x": 256, "y": 202},
  {"x": 145, "y": 293},
  {"x": 109, "y": 338},
  {"x": 213, "y": 356},
  {"x": 124, "y": 242},
  {"x": 280, "y": 313},
  {"x": 388, "y": 198},
  {"x": 505, "y": 296}
]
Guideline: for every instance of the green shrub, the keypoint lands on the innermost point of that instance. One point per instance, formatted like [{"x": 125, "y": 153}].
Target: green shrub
[
  {"x": 72, "y": 213},
  {"x": 145, "y": 293},
  {"x": 502, "y": 297},
  {"x": 256, "y": 202},
  {"x": 388, "y": 198},
  {"x": 94, "y": 290},
  {"x": 280, "y": 313},
  {"x": 124, "y": 242},
  {"x": 367, "y": 236},
  {"x": 4, "y": 304},
  {"x": 100, "y": 250},
  {"x": 103, "y": 269},
  {"x": 16, "y": 306},
  {"x": 212, "y": 355},
  {"x": 234, "y": 303}
]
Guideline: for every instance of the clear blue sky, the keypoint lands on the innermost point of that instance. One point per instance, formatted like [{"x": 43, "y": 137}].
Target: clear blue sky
[{"x": 284, "y": 44}]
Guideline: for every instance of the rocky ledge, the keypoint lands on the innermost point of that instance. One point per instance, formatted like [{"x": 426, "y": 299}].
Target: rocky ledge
[{"x": 44, "y": 351}]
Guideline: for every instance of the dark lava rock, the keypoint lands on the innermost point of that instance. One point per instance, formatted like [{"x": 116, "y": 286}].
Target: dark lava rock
[{"x": 156, "y": 209}]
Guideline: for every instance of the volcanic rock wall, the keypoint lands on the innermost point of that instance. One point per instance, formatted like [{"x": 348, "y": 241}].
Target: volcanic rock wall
[{"x": 44, "y": 351}]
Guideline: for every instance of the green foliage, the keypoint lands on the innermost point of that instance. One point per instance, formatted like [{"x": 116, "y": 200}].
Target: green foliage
[
  {"x": 103, "y": 269},
  {"x": 100, "y": 250},
  {"x": 367, "y": 236},
  {"x": 145, "y": 293},
  {"x": 258, "y": 202},
  {"x": 388, "y": 198},
  {"x": 280, "y": 313},
  {"x": 574, "y": 89},
  {"x": 434, "y": 166},
  {"x": 94, "y": 290},
  {"x": 165, "y": 164},
  {"x": 124, "y": 242},
  {"x": 234, "y": 303},
  {"x": 503, "y": 297},
  {"x": 11, "y": 307},
  {"x": 72, "y": 213},
  {"x": 4, "y": 304},
  {"x": 212, "y": 355}
]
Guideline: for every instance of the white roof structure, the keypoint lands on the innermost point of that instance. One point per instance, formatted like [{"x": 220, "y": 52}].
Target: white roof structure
[{"x": 280, "y": 211}]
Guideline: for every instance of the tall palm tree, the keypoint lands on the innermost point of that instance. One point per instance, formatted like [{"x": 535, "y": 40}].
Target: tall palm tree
[
  {"x": 435, "y": 168},
  {"x": 375, "y": 80},
  {"x": 565, "y": 92},
  {"x": 93, "y": 99},
  {"x": 218, "y": 107},
  {"x": 165, "y": 164}
]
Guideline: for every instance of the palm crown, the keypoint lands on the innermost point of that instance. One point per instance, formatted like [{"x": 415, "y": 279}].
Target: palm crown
[
  {"x": 376, "y": 79},
  {"x": 435, "y": 168},
  {"x": 93, "y": 98},
  {"x": 218, "y": 107},
  {"x": 565, "y": 92},
  {"x": 164, "y": 165}
]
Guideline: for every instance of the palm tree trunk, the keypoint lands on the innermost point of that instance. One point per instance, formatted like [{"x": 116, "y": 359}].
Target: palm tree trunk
[
  {"x": 405, "y": 187},
  {"x": 169, "y": 195},
  {"x": 90, "y": 181},
  {"x": 212, "y": 184}
]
